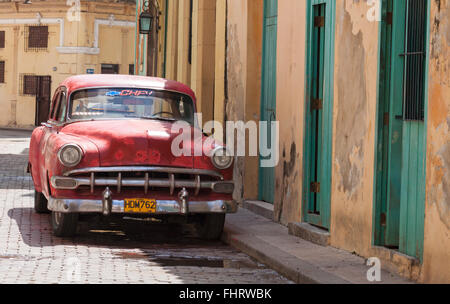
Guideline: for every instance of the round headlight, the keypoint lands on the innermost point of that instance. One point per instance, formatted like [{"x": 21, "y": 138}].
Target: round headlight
[
  {"x": 221, "y": 159},
  {"x": 70, "y": 155}
]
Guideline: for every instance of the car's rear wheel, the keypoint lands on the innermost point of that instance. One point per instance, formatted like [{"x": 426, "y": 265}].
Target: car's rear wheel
[
  {"x": 40, "y": 203},
  {"x": 210, "y": 226},
  {"x": 64, "y": 224}
]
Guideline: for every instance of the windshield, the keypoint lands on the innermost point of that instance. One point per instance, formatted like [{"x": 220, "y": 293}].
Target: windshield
[{"x": 116, "y": 103}]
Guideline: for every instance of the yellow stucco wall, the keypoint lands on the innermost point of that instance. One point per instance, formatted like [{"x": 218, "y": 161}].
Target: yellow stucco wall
[
  {"x": 243, "y": 82},
  {"x": 354, "y": 123},
  {"x": 20, "y": 110},
  {"x": 436, "y": 257},
  {"x": 290, "y": 108},
  {"x": 354, "y": 117}
]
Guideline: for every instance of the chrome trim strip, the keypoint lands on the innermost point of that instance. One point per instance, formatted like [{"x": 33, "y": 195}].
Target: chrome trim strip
[
  {"x": 117, "y": 206},
  {"x": 168, "y": 170},
  {"x": 198, "y": 184},
  {"x": 92, "y": 182},
  {"x": 119, "y": 182},
  {"x": 172, "y": 183},
  {"x": 146, "y": 183}
]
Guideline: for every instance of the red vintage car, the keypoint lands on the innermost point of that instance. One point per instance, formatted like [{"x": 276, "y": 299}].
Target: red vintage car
[{"x": 107, "y": 150}]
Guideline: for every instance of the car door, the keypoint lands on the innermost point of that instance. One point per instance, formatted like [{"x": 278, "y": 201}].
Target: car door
[{"x": 49, "y": 128}]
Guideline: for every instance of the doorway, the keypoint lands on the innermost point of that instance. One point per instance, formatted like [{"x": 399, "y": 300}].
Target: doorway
[
  {"x": 319, "y": 112},
  {"x": 268, "y": 94},
  {"x": 43, "y": 96},
  {"x": 400, "y": 171}
]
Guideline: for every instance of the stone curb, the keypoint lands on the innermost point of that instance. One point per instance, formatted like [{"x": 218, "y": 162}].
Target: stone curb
[{"x": 293, "y": 268}]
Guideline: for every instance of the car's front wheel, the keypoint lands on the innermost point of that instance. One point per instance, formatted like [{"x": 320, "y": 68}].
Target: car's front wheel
[
  {"x": 64, "y": 224},
  {"x": 210, "y": 226},
  {"x": 40, "y": 203}
]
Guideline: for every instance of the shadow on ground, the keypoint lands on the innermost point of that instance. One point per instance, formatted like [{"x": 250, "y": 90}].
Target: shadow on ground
[{"x": 125, "y": 233}]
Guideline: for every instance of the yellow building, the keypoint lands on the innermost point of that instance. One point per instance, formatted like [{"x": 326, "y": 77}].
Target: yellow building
[
  {"x": 187, "y": 45},
  {"x": 364, "y": 116},
  {"x": 364, "y": 122},
  {"x": 47, "y": 41}
]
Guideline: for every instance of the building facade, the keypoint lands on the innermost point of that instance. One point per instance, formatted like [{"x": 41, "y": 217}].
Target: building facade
[
  {"x": 363, "y": 104},
  {"x": 42, "y": 43}
]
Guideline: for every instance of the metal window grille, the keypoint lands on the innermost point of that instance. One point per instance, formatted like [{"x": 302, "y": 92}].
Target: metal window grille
[
  {"x": 110, "y": 69},
  {"x": 2, "y": 72},
  {"x": 36, "y": 38},
  {"x": 2, "y": 39},
  {"x": 415, "y": 55},
  {"x": 28, "y": 85}
]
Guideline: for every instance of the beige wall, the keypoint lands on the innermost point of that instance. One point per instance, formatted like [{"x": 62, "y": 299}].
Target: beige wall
[
  {"x": 290, "y": 108},
  {"x": 354, "y": 123},
  {"x": 19, "y": 110},
  {"x": 244, "y": 50},
  {"x": 436, "y": 260},
  {"x": 355, "y": 100}
]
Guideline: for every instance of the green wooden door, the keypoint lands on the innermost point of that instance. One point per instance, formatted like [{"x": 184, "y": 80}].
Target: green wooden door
[
  {"x": 319, "y": 111},
  {"x": 268, "y": 93},
  {"x": 400, "y": 189}
]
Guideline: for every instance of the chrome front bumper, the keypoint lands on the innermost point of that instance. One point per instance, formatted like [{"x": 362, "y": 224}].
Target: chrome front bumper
[{"x": 117, "y": 206}]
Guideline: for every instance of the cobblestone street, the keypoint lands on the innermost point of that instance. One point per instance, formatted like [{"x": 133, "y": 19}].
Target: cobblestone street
[{"x": 138, "y": 252}]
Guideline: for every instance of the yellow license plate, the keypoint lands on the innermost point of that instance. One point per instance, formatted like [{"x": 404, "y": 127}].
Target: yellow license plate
[{"x": 140, "y": 205}]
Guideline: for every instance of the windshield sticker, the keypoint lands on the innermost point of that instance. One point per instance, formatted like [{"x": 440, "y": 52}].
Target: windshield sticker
[{"x": 129, "y": 93}]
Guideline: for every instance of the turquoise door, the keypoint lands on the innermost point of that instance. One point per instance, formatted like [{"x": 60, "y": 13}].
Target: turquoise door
[
  {"x": 400, "y": 193},
  {"x": 319, "y": 112},
  {"x": 268, "y": 93}
]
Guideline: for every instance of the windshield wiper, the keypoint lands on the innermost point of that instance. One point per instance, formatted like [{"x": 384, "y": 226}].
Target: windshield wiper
[{"x": 159, "y": 118}]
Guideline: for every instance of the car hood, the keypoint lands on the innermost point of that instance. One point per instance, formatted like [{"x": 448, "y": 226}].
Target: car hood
[{"x": 131, "y": 142}]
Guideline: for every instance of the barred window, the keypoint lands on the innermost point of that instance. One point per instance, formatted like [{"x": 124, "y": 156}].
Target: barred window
[
  {"x": 28, "y": 85},
  {"x": 110, "y": 69},
  {"x": 415, "y": 57},
  {"x": 2, "y": 72},
  {"x": 2, "y": 39},
  {"x": 37, "y": 38}
]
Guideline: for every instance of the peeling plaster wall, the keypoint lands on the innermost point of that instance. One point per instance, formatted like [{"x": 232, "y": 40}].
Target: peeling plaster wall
[
  {"x": 243, "y": 85},
  {"x": 437, "y": 210},
  {"x": 290, "y": 108},
  {"x": 355, "y": 100}
]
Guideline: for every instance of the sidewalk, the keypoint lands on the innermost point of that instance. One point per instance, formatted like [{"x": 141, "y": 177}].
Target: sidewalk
[{"x": 299, "y": 260}]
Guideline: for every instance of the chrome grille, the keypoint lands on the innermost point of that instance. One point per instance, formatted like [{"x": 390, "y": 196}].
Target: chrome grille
[{"x": 148, "y": 178}]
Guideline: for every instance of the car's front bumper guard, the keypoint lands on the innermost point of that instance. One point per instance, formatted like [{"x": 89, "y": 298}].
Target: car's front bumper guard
[
  {"x": 73, "y": 183},
  {"x": 109, "y": 206}
]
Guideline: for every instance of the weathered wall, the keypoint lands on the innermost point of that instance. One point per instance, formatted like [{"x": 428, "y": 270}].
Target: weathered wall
[
  {"x": 290, "y": 108},
  {"x": 436, "y": 257},
  {"x": 355, "y": 100},
  {"x": 244, "y": 29},
  {"x": 20, "y": 110}
]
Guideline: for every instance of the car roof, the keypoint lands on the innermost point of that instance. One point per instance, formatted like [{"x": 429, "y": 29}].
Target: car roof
[{"x": 124, "y": 81}]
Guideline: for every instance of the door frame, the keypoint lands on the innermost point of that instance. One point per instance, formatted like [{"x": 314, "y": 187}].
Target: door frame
[
  {"x": 262, "y": 171},
  {"x": 327, "y": 117},
  {"x": 376, "y": 216}
]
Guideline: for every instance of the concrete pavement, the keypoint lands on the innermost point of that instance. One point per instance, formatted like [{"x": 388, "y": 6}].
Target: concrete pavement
[
  {"x": 128, "y": 252},
  {"x": 297, "y": 259}
]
